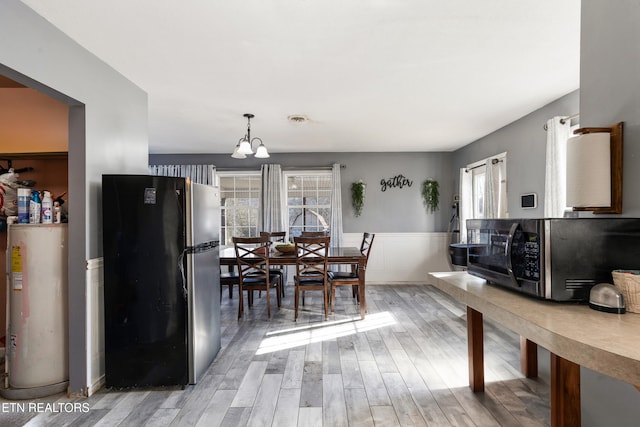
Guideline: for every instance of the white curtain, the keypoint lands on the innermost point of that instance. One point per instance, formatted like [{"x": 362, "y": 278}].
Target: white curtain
[
  {"x": 466, "y": 201},
  {"x": 271, "y": 199},
  {"x": 495, "y": 200},
  {"x": 336, "y": 207},
  {"x": 555, "y": 183},
  {"x": 201, "y": 174},
  {"x": 491, "y": 191}
]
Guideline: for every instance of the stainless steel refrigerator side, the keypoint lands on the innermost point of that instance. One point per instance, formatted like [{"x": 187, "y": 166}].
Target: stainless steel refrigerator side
[{"x": 203, "y": 215}]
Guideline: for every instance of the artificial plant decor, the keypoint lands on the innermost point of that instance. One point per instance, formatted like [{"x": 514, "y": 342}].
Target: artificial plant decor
[
  {"x": 430, "y": 194},
  {"x": 357, "y": 196}
]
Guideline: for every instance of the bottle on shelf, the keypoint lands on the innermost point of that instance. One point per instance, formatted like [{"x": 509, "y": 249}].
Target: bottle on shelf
[
  {"x": 24, "y": 198},
  {"x": 56, "y": 212},
  {"x": 47, "y": 208},
  {"x": 35, "y": 206}
]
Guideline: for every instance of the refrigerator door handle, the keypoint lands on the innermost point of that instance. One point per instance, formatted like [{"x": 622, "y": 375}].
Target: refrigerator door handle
[
  {"x": 189, "y": 250},
  {"x": 202, "y": 247}
]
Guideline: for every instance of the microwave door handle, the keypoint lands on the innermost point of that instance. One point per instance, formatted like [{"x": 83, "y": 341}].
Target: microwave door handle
[{"x": 507, "y": 253}]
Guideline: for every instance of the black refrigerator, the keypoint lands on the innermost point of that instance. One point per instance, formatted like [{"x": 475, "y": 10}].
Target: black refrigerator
[{"x": 161, "y": 280}]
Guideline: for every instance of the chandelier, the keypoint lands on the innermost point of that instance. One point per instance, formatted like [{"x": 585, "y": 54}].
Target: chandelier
[{"x": 245, "y": 144}]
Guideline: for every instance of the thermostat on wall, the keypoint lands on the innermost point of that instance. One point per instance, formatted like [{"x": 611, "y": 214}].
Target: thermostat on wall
[{"x": 529, "y": 201}]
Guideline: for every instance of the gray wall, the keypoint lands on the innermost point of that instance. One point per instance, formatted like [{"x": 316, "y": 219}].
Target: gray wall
[
  {"x": 610, "y": 81},
  {"x": 610, "y": 93},
  {"x": 394, "y": 210},
  {"x": 525, "y": 143},
  {"x": 107, "y": 134}
]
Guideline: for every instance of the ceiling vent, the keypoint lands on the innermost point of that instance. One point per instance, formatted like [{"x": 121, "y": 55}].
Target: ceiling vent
[{"x": 297, "y": 118}]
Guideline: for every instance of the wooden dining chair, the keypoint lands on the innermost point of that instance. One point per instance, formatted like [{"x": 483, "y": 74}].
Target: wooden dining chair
[
  {"x": 314, "y": 234},
  {"x": 311, "y": 269},
  {"x": 350, "y": 278},
  {"x": 275, "y": 236},
  {"x": 252, "y": 257},
  {"x": 278, "y": 237}
]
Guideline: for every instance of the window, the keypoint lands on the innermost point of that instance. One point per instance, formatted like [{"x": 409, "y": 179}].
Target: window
[
  {"x": 308, "y": 201},
  {"x": 483, "y": 190},
  {"x": 239, "y": 201}
]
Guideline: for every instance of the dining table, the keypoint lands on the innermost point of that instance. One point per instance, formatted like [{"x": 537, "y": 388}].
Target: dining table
[{"x": 346, "y": 255}]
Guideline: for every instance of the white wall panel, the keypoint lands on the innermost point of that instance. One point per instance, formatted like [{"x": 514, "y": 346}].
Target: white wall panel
[
  {"x": 401, "y": 258},
  {"x": 95, "y": 324}
]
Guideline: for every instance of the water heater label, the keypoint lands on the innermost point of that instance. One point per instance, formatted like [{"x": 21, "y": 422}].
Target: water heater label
[
  {"x": 16, "y": 268},
  {"x": 16, "y": 259}
]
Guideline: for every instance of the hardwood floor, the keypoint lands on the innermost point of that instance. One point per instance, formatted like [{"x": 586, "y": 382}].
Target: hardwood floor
[{"x": 404, "y": 365}]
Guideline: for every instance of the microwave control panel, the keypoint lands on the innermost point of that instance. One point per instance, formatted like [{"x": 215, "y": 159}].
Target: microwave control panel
[{"x": 526, "y": 255}]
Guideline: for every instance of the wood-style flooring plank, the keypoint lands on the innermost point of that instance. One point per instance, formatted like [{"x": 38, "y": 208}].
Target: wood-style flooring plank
[
  {"x": 145, "y": 409},
  {"x": 451, "y": 408},
  {"x": 334, "y": 408},
  {"x": 351, "y": 376},
  {"x": 198, "y": 400},
  {"x": 86, "y": 419},
  {"x": 374, "y": 385},
  {"x": 428, "y": 407},
  {"x": 358, "y": 410},
  {"x": 123, "y": 408},
  {"x": 215, "y": 411},
  {"x": 384, "y": 416},
  {"x": 236, "y": 417},
  {"x": 382, "y": 357},
  {"x": 287, "y": 407},
  {"x": 266, "y": 400},
  {"x": 311, "y": 390},
  {"x": 407, "y": 369},
  {"x": 294, "y": 370},
  {"x": 310, "y": 417},
  {"x": 473, "y": 405},
  {"x": 362, "y": 348},
  {"x": 251, "y": 381},
  {"x": 406, "y": 410},
  {"x": 330, "y": 357}
]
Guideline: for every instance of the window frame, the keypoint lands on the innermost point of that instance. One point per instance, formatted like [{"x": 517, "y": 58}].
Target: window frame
[
  {"x": 223, "y": 229},
  {"x": 302, "y": 172}
]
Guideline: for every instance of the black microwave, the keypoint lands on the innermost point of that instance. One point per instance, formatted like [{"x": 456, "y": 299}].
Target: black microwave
[{"x": 556, "y": 259}]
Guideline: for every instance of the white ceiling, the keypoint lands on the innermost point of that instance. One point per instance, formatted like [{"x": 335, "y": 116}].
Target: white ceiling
[{"x": 377, "y": 75}]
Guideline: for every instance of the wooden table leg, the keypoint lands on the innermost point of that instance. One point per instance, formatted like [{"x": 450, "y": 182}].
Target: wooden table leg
[
  {"x": 565, "y": 392},
  {"x": 528, "y": 358},
  {"x": 475, "y": 343}
]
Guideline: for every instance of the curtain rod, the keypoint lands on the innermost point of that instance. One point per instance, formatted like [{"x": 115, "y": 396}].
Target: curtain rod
[
  {"x": 493, "y": 162},
  {"x": 563, "y": 120},
  {"x": 311, "y": 168},
  {"x": 288, "y": 168}
]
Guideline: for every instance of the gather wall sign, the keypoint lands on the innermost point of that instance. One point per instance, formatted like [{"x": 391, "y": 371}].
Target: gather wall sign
[{"x": 398, "y": 181}]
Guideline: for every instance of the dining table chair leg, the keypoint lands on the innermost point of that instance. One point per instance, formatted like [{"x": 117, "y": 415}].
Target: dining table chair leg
[
  {"x": 269, "y": 303},
  {"x": 326, "y": 306},
  {"x": 295, "y": 305}
]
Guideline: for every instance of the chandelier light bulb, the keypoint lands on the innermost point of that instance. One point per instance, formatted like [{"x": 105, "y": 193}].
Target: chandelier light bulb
[
  {"x": 245, "y": 147},
  {"x": 261, "y": 152},
  {"x": 237, "y": 154}
]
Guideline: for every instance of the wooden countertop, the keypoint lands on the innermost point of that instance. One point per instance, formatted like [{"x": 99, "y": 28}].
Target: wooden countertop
[{"x": 604, "y": 342}]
